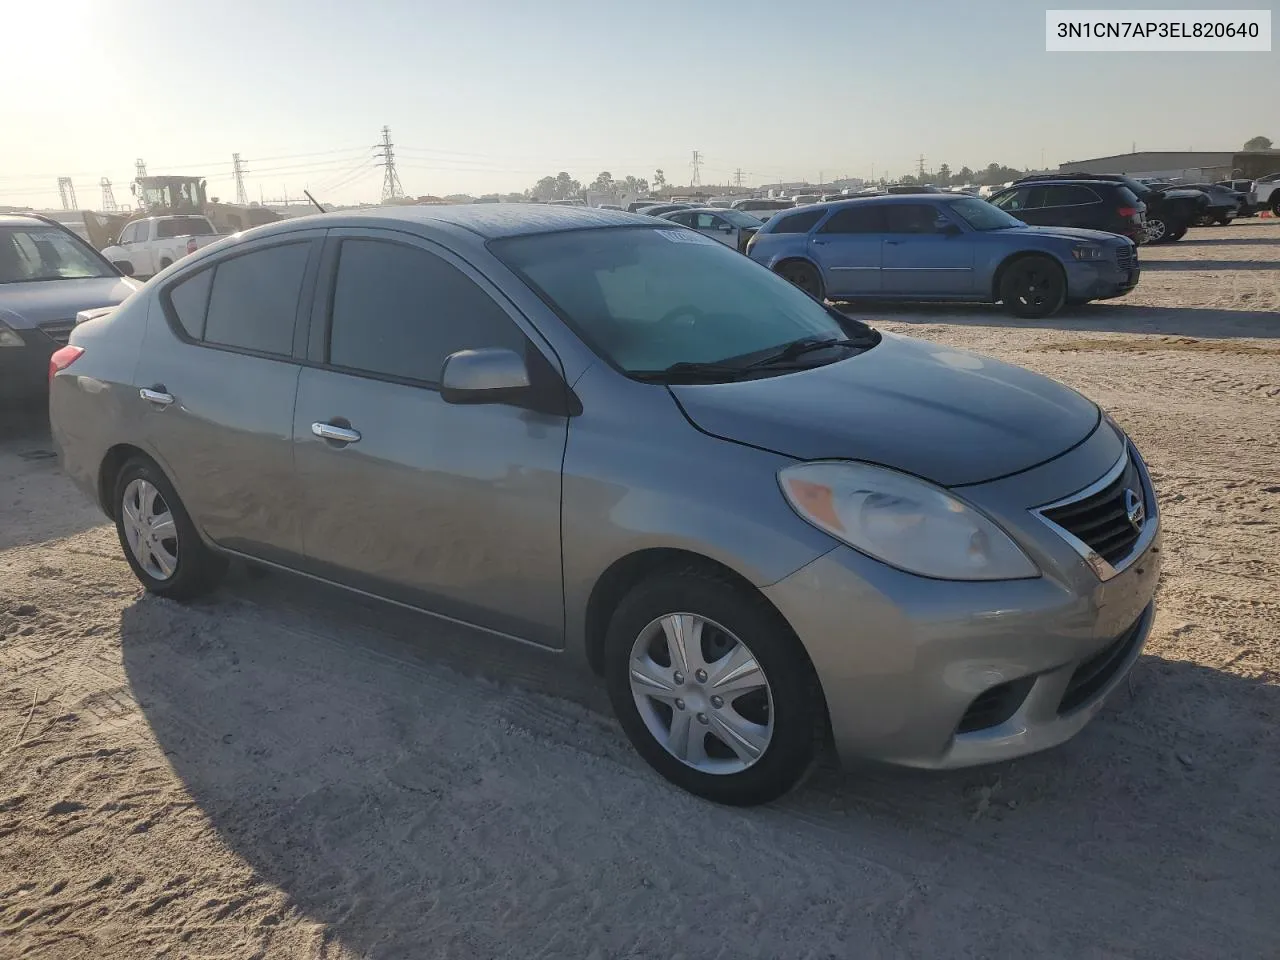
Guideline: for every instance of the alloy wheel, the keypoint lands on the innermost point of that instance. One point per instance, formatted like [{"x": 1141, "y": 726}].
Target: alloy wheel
[
  {"x": 1156, "y": 229},
  {"x": 149, "y": 529},
  {"x": 701, "y": 693},
  {"x": 1035, "y": 287}
]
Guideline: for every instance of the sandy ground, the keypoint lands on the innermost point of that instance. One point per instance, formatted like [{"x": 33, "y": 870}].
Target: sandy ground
[{"x": 280, "y": 772}]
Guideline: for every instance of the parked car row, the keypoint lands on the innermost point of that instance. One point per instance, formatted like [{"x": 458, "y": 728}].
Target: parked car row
[{"x": 489, "y": 415}]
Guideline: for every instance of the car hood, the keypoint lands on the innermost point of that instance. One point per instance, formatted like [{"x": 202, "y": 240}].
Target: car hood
[
  {"x": 28, "y": 304},
  {"x": 1067, "y": 233},
  {"x": 943, "y": 414}
]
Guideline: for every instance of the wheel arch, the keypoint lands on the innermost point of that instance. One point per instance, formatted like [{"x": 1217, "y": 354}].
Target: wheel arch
[
  {"x": 1013, "y": 258},
  {"x": 113, "y": 462},
  {"x": 626, "y": 572}
]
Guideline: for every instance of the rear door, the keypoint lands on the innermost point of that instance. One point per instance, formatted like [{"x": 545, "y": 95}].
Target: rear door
[
  {"x": 452, "y": 508},
  {"x": 716, "y": 227},
  {"x": 217, "y": 380},
  {"x": 921, "y": 257},
  {"x": 1070, "y": 205},
  {"x": 848, "y": 247}
]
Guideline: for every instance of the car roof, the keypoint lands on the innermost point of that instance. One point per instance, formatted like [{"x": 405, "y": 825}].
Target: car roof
[
  {"x": 489, "y": 221},
  {"x": 21, "y": 220}
]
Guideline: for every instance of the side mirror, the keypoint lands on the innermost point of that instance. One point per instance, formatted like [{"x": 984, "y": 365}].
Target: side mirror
[
  {"x": 124, "y": 266},
  {"x": 491, "y": 375},
  {"x": 949, "y": 229}
]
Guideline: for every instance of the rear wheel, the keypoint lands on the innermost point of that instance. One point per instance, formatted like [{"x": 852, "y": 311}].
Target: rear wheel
[
  {"x": 803, "y": 275},
  {"x": 157, "y": 535},
  {"x": 1223, "y": 221},
  {"x": 1275, "y": 207},
  {"x": 1033, "y": 288},
  {"x": 1157, "y": 229},
  {"x": 1176, "y": 234},
  {"x": 713, "y": 688}
]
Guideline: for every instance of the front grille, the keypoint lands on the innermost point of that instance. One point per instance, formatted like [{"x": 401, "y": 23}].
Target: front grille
[
  {"x": 1096, "y": 672},
  {"x": 58, "y": 330},
  {"x": 994, "y": 706},
  {"x": 1101, "y": 520},
  {"x": 1127, "y": 257}
]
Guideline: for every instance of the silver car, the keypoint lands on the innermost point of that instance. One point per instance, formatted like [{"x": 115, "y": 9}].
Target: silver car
[{"x": 764, "y": 524}]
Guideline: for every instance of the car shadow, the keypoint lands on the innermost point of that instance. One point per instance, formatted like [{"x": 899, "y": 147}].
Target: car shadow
[
  {"x": 1192, "y": 265},
  {"x": 414, "y": 787},
  {"x": 29, "y": 463},
  {"x": 1102, "y": 317},
  {"x": 1228, "y": 242}
]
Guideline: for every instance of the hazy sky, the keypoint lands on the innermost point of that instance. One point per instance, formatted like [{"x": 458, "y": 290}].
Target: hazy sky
[{"x": 489, "y": 95}]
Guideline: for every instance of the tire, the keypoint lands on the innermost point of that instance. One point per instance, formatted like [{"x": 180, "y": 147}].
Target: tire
[
  {"x": 785, "y": 713},
  {"x": 1275, "y": 207},
  {"x": 1157, "y": 230},
  {"x": 1175, "y": 235},
  {"x": 805, "y": 276},
  {"x": 165, "y": 263},
  {"x": 1033, "y": 288},
  {"x": 157, "y": 536},
  {"x": 1223, "y": 221}
]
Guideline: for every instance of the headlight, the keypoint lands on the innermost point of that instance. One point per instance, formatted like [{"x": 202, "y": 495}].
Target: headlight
[
  {"x": 8, "y": 338},
  {"x": 1089, "y": 252},
  {"x": 903, "y": 521}
]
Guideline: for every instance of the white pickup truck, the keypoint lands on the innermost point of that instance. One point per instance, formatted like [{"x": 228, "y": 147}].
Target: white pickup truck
[
  {"x": 1266, "y": 194},
  {"x": 150, "y": 245}
]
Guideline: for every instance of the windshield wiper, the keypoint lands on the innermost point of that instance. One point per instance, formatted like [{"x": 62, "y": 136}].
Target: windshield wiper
[
  {"x": 686, "y": 369},
  {"x": 798, "y": 348}
]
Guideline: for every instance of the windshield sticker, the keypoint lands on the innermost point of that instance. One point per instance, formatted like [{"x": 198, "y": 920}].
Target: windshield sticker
[{"x": 685, "y": 236}]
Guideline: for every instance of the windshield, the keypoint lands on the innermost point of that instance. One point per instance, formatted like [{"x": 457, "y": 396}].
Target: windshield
[
  {"x": 982, "y": 215},
  {"x": 740, "y": 219},
  {"x": 45, "y": 253},
  {"x": 646, "y": 299}
]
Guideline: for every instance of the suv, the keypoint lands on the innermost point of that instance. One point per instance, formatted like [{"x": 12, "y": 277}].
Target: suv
[
  {"x": 48, "y": 277},
  {"x": 1169, "y": 212},
  {"x": 1092, "y": 204},
  {"x": 1225, "y": 203}
]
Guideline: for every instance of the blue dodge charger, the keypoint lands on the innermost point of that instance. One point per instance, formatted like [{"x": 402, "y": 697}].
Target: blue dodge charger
[{"x": 939, "y": 247}]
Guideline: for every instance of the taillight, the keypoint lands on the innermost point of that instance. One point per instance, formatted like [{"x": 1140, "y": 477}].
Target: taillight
[
  {"x": 191, "y": 245},
  {"x": 1128, "y": 211},
  {"x": 62, "y": 358}
]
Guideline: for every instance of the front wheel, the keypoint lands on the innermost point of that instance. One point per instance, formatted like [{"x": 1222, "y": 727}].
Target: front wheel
[
  {"x": 159, "y": 540},
  {"x": 805, "y": 276},
  {"x": 1275, "y": 207},
  {"x": 1033, "y": 288},
  {"x": 713, "y": 688},
  {"x": 1175, "y": 235},
  {"x": 1157, "y": 230}
]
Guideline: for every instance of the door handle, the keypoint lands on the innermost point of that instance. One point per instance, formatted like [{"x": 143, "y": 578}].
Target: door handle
[
  {"x": 327, "y": 431},
  {"x": 156, "y": 395},
  {"x": 818, "y": 243},
  {"x": 893, "y": 243}
]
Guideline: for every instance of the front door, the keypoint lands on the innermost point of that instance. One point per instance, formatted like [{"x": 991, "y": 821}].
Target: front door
[
  {"x": 451, "y": 508},
  {"x": 217, "y": 378},
  {"x": 848, "y": 248},
  {"x": 921, "y": 256}
]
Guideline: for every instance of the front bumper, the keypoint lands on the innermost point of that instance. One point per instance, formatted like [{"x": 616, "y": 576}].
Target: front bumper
[
  {"x": 906, "y": 663},
  {"x": 1101, "y": 280}
]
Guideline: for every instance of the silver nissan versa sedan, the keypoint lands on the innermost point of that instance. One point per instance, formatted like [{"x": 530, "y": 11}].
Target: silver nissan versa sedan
[{"x": 762, "y": 523}]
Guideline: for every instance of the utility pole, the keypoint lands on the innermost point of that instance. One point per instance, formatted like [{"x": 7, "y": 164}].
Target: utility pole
[
  {"x": 697, "y": 161},
  {"x": 391, "y": 188},
  {"x": 737, "y": 177},
  {"x": 108, "y": 198},
  {"x": 922, "y": 166},
  {"x": 238, "y": 171},
  {"x": 68, "y": 193}
]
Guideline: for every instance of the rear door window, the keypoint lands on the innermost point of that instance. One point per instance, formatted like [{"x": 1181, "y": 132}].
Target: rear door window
[
  {"x": 253, "y": 304},
  {"x": 1068, "y": 195},
  {"x": 911, "y": 218},
  {"x": 399, "y": 311},
  {"x": 856, "y": 219}
]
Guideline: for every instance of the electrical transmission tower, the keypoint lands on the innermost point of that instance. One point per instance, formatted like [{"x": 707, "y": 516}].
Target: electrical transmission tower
[
  {"x": 391, "y": 189},
  {"x": 140, "y": 168},
  {"x": 108, "y": 198},
  {"x": 922, "y": 166},
  {"x": 68, "y": 194},
  {"x": 238, "y": 171},
  {"x": 697, "y": 162},
  {"x": 737, "y": 177}
]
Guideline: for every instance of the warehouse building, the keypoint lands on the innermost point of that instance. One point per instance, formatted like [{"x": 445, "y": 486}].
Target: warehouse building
[{"x": 1190, "y": 165}]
